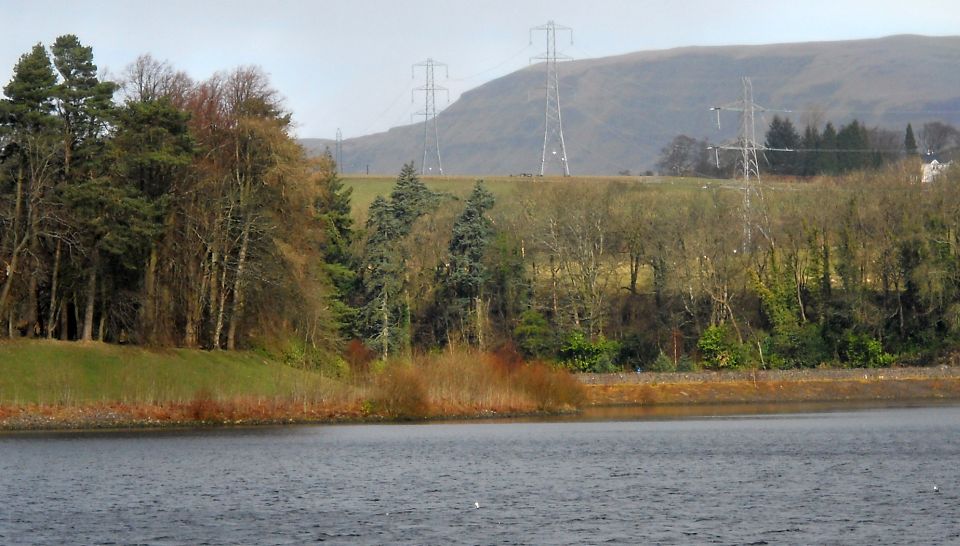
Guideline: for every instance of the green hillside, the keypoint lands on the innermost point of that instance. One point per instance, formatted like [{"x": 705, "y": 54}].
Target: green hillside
[{"x": 49, "y": 372}]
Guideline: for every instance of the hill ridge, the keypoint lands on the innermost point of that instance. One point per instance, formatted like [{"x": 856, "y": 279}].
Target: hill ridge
[{"x": 620, "y": 110}]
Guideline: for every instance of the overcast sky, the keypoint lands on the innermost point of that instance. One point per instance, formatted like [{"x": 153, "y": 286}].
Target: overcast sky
[{"x": 347, "y": 64}]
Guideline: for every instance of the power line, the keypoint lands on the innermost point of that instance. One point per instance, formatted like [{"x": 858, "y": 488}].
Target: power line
[
  {"x": 553, "y": 121},
  {"x": 429, "y": 111},
  {"x": 492, "y": 68}
]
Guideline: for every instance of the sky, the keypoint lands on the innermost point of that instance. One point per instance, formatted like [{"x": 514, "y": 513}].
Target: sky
[{"x": 347, "y": 64}]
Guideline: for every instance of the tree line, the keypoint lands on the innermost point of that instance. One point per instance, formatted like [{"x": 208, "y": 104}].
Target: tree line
[
  {"x": 829, "y": 150},
  {"x": 858, "y": 270},
  {"x": 185, "y": 214},
  {"x": 182, "y": 214}
]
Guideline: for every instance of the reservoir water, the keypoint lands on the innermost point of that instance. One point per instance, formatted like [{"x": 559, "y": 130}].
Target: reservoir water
[{"x": 843, "y": 477}]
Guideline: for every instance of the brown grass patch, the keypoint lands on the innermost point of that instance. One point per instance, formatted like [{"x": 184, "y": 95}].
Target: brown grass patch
[{"x": 773, "y": 391}]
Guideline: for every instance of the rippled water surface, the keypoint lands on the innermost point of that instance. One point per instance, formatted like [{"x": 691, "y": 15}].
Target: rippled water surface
[{"x": 861, "y": 477}]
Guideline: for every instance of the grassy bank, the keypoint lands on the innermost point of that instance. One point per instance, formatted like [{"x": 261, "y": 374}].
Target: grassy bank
[{"x": 51, "y": 384}]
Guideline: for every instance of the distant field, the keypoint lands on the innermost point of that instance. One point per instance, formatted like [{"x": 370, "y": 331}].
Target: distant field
[{"x": 367, "y": 188}]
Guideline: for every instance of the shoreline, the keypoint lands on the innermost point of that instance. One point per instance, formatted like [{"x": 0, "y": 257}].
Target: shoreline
[
  {"x": 773, "y": 386},
  {"x": 681, "y": 394}
]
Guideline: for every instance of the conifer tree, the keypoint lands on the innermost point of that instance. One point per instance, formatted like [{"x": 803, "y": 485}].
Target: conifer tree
[
  {"x": 782, "y": 135},
  {"x": 28, "y": 160},
  {"x": 466, "y": 273},
  {"x": 384, "y": 320},
  {"x": 909, "y": 141}
]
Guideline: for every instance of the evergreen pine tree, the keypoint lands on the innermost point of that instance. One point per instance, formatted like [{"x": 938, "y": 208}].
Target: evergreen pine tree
[
  {"x": 466, "y": 273},
  {"x": 827, "y": 154},
  {"x": 383, "y": 319},
  {"x": 909, "y": 141},
  {"x": 809, "y": 157},
  {"x": 782, "y": 135}
]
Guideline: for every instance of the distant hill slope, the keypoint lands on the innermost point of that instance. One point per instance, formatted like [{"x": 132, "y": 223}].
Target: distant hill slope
[{"x": 618, "y": 112}]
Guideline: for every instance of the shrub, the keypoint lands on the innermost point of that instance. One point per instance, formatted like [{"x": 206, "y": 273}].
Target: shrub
[
  {"x": 720, "y": 349},
  {"x": 399, "y": 392},
  {"x": 583, "y": 355},
  {"x": 797, "y": 347},
  {"x": 534, "y": 335},
  {"x": 863, "y": 351},
  {"x": 550, "y": 389},
  {"x": 637, "y": 351},
  {"x": 662, "y": 363},
  {"x": 687, "y": 364}
]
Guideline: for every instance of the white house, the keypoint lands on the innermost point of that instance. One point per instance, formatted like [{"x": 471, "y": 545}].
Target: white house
[{"x": 932, "y": 168}]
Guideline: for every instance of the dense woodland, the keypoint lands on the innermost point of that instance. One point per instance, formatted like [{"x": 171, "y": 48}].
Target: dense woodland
[
  {"x": 165, "y": 211},
  {"x": 181, "y": 213}
]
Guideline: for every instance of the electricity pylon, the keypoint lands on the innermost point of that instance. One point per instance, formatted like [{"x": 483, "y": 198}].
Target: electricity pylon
[
  {"x": 339, "y": 151},
  {"x": 553, "y": 121},
  {"x": 429, "y": 111},
  {"x": 748, "y": 168}
]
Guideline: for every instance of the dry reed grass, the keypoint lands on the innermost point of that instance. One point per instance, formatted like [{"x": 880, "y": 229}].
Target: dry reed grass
[{"x": 458, "y": 383}]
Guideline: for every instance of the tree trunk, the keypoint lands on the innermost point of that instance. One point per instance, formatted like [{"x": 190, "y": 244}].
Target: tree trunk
[
  {"x": 221, "y": 306},
  {"x": 148, "y": 314},
  {"x": 91, "y": 298},
  {"x": 18, "y": 244},
  {"x": 634, "y": 272},
  {"x": 11, "y": 272},
  {"x": 238, "y": 300},
  {"x": 33, "y": 314},
  {"x": 478, "y": 301},
  {"x": 102, "y": 330},
  {"x": 64, "y": 319},
  {"x": 385, "y": 330},
  {"x": 215, "y": 284},
  {"x": 54, "y": 278}
]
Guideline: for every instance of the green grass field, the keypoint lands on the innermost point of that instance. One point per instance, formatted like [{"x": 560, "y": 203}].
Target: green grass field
[
  {"x": 505, "y": 188},
  {"x": 54, "y": 372}
]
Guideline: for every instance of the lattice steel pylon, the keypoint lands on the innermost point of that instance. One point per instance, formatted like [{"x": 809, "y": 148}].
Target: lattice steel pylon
[
  {"x": 429, "y": 111},
  {"x": 553, "y": 120},
  {"x": 748, "y": 168}
]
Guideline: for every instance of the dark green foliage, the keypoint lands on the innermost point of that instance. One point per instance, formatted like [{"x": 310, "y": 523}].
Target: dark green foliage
[
  {"x": 853, "y": 143},
  {"x": 333, "y": 211},
  {"x": 384, "y": 319},
  {"x": 583, "y": 355},
  {"x": 720, "y": 349},
  {"x": 827, "y": 156},
  {"x": 465, "y": 275},
  {"x": 534, "y": 335},
  {"x": 508, "y": 287},
  {"x": 909, "y": 141},
  {"x": 29, "y": 103},
  {"x": 410, "y": 198},
  {"x": 809, "y": 158},
  {"x": 782, "y": 135},
  {"x": 84, "y": 102},
  {"x": 152, "y": 147},
  {"x": 115, "y": 219},
  {"x": 793, "y": 343},
  {"x": 662, "y": 363},
  {"x": 862, "y": 351}
]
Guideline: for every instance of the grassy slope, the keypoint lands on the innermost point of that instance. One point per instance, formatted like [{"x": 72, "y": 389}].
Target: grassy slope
[
  {"x": 505, "y": 188},
  {"x": 59, "y": 372}
]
